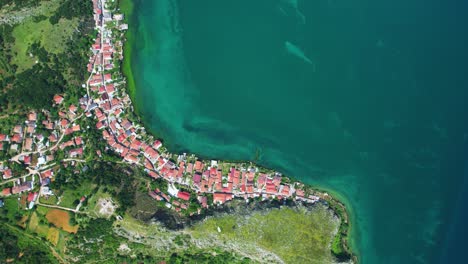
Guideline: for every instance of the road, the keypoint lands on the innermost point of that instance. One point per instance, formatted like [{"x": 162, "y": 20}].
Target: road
[{"x": 59, "y": 207}]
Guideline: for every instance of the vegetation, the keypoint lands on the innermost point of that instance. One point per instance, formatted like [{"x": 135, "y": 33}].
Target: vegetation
[
  {"x": 70, "y": 9},
  {"x": 39, "y": 58},
  {"x": 206, "y": 257},
  {"x": 61, "y": 219},
  {"x": 18, "y": 3},
  {"x": 17, "y": 247},
  {"x": 340, "y": 247},
  {"x": 35, "y": 87},
  {"x": 101, "y": 243},
  {"x": 295, "y": 235}
]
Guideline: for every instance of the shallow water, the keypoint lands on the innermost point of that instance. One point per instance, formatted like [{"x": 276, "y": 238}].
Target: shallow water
[{"x": 363, "y": 98}]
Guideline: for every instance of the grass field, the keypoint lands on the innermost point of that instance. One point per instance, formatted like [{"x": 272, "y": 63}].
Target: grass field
[
  {"x": 63, "y": 238},
  {"x": 51, "y": 37},
  {"x": 23, "y": 221},
  {"x": 296, "y": 236},
  {"x": 11, "y": 206},
  {"x": 53, "y": 235},
  {"x": 52, "y": 200},
  {"x": 69, "y": 196},
  {"x": 29, "y": 30},
  {"x": 42, "y": 230},
  {"x": 33, "y": 222},
  {"x": 61, "y": 219},
  {"x": 42, "y": 210},
  {"x": 35, "y": 226}
]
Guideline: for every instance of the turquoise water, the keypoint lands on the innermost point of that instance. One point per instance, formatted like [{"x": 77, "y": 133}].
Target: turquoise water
[{"x": 363, "y": 98}]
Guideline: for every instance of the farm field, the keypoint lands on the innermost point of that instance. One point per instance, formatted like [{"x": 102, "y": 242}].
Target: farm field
[
  {"x": 53, "y": 235},
  {"x": 61, "y": 219}
]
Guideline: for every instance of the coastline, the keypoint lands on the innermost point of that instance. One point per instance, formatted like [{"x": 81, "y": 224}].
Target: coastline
[
  {"x": 126, "y": 7},
  {"x": 336, "y": 202}
]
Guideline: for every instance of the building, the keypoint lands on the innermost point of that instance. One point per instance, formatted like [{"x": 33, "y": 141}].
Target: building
[
  {"x": 183, "y": 195},
  {"x": 22, "y": 188}
]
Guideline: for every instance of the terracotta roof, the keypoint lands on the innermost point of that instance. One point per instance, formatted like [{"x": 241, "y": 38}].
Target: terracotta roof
[
  {"x": 16, "y": 138},
  {"x": 21, "y": 188},
  {"x": 31, "y": 196},
  {"x": 7, "y": 174},
  {"x": 27, "y": 160},
  {"x": 76, "y": 152},
  {"x": 131, "y": 158},
  {"x": 48, "y": 173},
  {"x": 157, "y": 144},
  {"x": 58, "y": 99},
  {"x": 78, "y": 141},
  {"x": 72, "y": 108},
  {"x": 107, "y": 77},
  {"x": 6, "y": 191},
  {"x": 183, "y": 195},
  {"x": 221, "y": 197},
  {"x": 53, "y": 138},
  {"x": 28, "y": 144}
]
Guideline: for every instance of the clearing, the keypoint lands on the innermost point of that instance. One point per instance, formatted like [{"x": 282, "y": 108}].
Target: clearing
[
  {"x": 53, "y": 235},
  {"x": 61, "y": 219},
  {"x": 105, "y": 207},
  {"x": 51, "y": 37}
]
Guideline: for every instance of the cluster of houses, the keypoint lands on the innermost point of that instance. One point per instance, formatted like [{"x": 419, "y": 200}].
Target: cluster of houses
[
  {"x": 189, "y": 180},
  {"x": 32, "y": 147},
  {"x": 124, "y": 137}
]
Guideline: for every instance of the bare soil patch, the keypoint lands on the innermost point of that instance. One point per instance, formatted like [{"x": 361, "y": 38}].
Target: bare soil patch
[
  {"x": 61, "y": 219},
  {"x": 105, "y": 207}
]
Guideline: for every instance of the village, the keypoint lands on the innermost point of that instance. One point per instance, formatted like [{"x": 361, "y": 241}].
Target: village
[{"x": 35, "y": 150}]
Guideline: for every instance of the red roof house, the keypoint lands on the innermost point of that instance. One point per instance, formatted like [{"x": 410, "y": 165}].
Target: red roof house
[
  {"x": 183, "y": 195},
  {"x": 7, "y": 174},
  {"x": 58, "y": 99},
  {"x": 32, "y": 196},
  {"x": 6, "y": 192}
]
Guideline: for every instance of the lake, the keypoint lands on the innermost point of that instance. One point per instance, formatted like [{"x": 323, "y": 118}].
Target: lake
[{"x": 365, "y": 99}]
